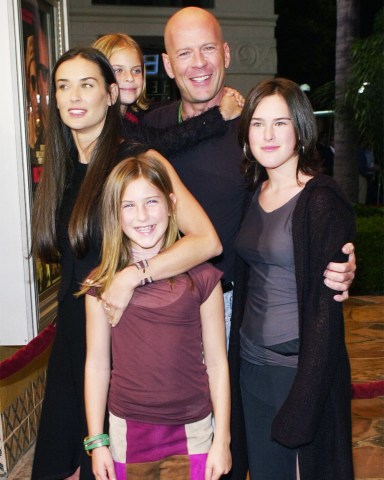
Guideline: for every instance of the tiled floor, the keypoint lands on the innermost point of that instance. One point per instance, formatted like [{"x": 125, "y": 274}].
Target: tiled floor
[
  {"x": 23, "y": 469},
  {"x": 364, "y": 321}
]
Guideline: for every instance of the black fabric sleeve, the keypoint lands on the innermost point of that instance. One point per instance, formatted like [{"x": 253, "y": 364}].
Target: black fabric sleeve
[
  {"x": 331, "y": 225},
  {"x": 178, "y": 137},
  {"x": 238, "y": 436}
]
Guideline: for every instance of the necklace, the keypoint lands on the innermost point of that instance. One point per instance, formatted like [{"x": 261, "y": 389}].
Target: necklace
[{"x": 180, "y": 113}]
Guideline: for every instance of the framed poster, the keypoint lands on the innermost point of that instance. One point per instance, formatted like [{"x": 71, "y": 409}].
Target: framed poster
[
  {"x": 44, "y": 39},
  {"x": 26, "y": 29}
]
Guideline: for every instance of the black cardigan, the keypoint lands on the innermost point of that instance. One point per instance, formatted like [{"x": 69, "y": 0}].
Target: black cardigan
[
  {"x": 178, "y": 137},
  {"x": 316, "y": 416}
]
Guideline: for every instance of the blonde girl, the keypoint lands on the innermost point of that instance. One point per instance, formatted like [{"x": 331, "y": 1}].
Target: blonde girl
[
  {"x": 127, "y": 60},
  {"x": 168, "y": 351}
]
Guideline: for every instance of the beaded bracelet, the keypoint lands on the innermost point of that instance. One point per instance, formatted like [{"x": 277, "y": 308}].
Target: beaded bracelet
[{"x": 90, "y": 443}]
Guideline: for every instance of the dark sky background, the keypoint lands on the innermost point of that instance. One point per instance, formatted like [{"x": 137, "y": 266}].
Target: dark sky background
[{"x": 305, "y": 36}]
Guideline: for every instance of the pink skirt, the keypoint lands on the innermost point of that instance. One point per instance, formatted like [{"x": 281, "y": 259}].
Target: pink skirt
[{"x": 145, "y": 451}]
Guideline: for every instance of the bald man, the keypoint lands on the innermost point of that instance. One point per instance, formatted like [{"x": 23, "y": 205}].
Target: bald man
[{"x": 196, "y": 58}]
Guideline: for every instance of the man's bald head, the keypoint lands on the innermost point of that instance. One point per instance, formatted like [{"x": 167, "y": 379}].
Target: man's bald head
[
  {"x": 196, "y": 57},
  {"x": 187, "y": 17}
]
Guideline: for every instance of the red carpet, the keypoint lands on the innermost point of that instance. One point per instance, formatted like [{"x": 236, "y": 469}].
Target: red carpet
[
  {"x": 27, "y": 353},
  {"x": 368, "y": 389}
]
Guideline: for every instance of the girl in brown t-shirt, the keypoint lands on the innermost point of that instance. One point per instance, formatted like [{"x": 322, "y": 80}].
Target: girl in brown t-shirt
[{"x": 169, "y": 367}]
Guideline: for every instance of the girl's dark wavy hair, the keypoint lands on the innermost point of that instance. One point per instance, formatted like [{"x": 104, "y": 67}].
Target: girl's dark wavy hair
[
  {"x": 61, "y": 157},
  {"x": 303, "y": 120}
]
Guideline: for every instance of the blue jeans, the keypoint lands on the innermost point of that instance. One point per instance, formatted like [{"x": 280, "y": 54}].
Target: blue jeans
[{"x": 227, "y": 313}]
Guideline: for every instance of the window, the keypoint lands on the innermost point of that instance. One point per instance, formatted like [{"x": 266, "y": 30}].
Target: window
[
  {"x": 157, "y": 3},
  {"x": 42, "y": 43}
]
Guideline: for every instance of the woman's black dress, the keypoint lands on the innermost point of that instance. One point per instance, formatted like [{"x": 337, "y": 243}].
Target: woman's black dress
[{"x": 59, "y": 446}]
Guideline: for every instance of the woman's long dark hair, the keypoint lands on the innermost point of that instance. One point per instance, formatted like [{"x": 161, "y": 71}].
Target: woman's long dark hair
[
  {"x": 303, "y": 120},
  {"x": 61, "y": 156}
]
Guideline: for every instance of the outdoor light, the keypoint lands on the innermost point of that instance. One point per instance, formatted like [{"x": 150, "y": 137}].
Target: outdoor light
[
  {"x": 305, "y": 87},
  {"x": 362, "y": 88}
]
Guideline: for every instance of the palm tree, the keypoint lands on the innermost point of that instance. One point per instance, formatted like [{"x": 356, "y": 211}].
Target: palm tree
[
  {"x": 345, "y": 167},
  {"x": 365, "y": 92}
]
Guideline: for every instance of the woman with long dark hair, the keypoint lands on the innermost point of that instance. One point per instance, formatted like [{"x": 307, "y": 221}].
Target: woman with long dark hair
[{"x": 84, "y": 142}]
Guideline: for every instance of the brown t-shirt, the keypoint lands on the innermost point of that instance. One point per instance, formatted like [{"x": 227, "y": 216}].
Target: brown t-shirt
[{"x": 158, "y": 373}]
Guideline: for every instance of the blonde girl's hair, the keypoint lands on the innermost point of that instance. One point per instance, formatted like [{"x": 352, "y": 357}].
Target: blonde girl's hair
[
  {"x": 116, "y": 248},
  {"x": 114, "y": 42}
]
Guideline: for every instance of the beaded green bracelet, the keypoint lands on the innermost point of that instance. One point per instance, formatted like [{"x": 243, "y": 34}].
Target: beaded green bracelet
[{"x": 90, "y": 443}]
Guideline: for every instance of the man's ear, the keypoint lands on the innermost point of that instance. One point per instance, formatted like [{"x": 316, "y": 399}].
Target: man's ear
[
  {"x": 167, "y": 65},
  {"x": 114, "y": 94},
  {"x": 227, "y": 55}
]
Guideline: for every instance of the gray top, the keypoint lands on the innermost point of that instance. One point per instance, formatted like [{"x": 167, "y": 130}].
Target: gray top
[{"x": 269, "y": 330}]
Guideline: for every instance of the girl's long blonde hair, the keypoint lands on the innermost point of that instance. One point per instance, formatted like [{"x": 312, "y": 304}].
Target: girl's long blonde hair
[
  {"x": 114, "y": 42},
  {"x": 116, "y": 248}
]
